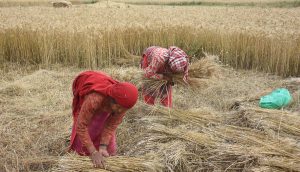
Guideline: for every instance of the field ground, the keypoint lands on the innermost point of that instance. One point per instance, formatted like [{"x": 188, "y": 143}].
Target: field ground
[{"x": 36, "y": 109}]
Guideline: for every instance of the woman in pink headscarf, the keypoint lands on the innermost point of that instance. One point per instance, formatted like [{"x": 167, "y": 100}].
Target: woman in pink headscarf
[
  {"x": 160, "y": 63},
  {"x": 99, "y": 105}
]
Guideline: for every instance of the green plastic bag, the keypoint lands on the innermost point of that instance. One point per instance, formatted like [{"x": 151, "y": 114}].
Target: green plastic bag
[{"x": 278, "y": 99}]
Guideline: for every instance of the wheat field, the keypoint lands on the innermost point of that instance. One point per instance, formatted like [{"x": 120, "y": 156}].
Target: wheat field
[
  {"x": 279, "y": 22},
  {"x": 244, "y": 37},
  {"x": 216, "y": 127}
]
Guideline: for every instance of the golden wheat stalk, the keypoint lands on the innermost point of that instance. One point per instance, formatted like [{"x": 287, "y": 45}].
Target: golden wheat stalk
[
  {"x": 286, "y": 164},
  {"x": 196, "y": 117},
  {"x": 206, "y": 67},
  {"x": 200, "y": 74},
  {"x": 278, "y": 121},
  {"x": 114, "y": 163},
  {"x": 191, "y": 136},
  {"x": 254, "y": 138}
]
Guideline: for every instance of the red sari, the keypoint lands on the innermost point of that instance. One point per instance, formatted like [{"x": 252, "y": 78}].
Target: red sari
[{"x": 101, "y": 124}]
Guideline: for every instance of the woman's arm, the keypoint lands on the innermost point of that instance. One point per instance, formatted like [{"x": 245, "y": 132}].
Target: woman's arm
[{"x": 91, "y": 104}]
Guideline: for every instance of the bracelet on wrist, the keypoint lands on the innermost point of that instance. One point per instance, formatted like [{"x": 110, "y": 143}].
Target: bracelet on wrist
[{"x": 103, "y": 145}]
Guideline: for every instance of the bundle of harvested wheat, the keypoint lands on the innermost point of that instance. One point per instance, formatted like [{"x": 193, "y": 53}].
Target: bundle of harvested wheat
[
  {"x": 200, "y": 73},
  {"x": 72, "y": 162},
  {"x": 136, "y": 76},
  {"x": 197, "y": 117},
  {"x": 198, "y": 149},
  {"x": 220, "y": 146},
  {"x": 206, "y": 67},
  {"x": 59, "y": 4},
  {"x": 131, "y": 74},
  {"x": 259, "y": 141},
  {"x": 191, "y": 136},
  {"x": 275, "y": 122},
  {"x": 244, "y": 141},
  {"x": 285, "y": 164}
]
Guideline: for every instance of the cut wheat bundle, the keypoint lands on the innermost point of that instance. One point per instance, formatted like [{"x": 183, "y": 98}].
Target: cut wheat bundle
[
  {"x": 73, "y": 162},
  {"x": 197, "y": 117},
  {"x": 284, "y": 163},
  {"x": 198, "y": 149},
  {"x": 206, "y": 67},
  {"x": 201, "y": 74},
  {"x": 277, "y": 122},
  {"x": 178, "y": 154},
  {"x": 202, "y": 139},
  {"x": 59, "y": 4},
  {"x": 129, "y": 74},
  {"x": 136, "y": 76},
  {"x": 263, "y": 144},
  {"x": 260, "y": 154},
  {"x": 255, "y": 144}
]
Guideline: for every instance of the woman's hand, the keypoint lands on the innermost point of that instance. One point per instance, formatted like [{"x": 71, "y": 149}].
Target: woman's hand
[
  {"x": 98, "y": 158},
  {"x": 103, "y": 151},
  {"x": 168, "y": 77}
]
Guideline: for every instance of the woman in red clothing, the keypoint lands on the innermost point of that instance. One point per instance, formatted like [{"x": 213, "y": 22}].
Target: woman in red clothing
[
  {"x": 160, "y": 63},
  {"x": 99, "y": 105}
]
